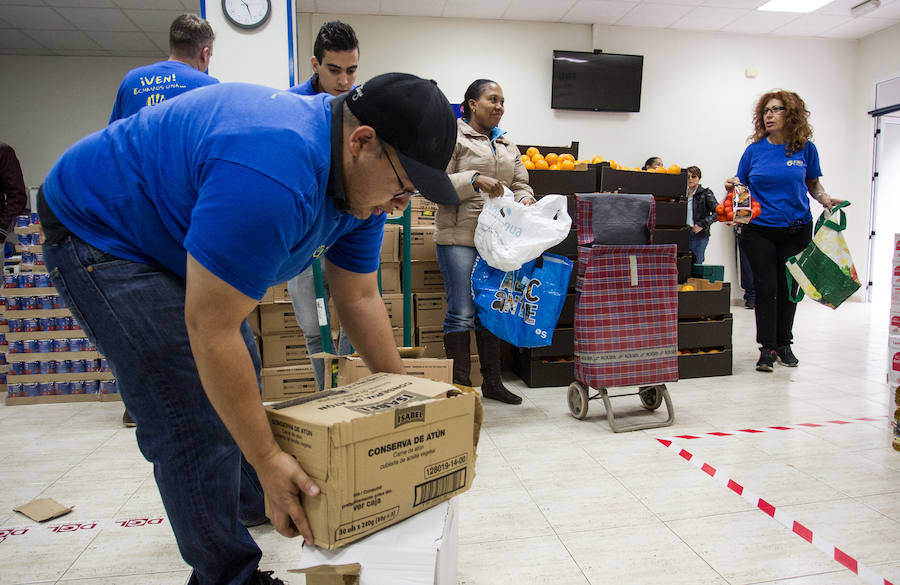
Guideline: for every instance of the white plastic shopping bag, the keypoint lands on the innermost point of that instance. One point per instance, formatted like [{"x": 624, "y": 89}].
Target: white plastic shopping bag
[{"x": 509, "y": 234}]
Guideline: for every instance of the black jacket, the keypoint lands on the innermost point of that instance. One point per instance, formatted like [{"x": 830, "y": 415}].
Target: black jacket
[
  {"x": 13, "y": 196},
  {"x": 703, "y": 207}
]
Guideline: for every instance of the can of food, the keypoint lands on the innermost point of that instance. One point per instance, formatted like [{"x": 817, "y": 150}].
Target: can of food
[
  {"x": 30, "y": 389},
  {"x": 10, "y": 281},
  {"x": 26, "y": 280},
  {"x": 35, "y": 218},
  {"x": 45, "y": 345},
  {"x": 42, "y": 280},
  {"x": 30, "y": 325},
  {"x": 23, "y": 221},
  {"x": 13, "y": 303},
  {"x": 36, "y": 239},
  {"x": 91, "y": 386},
  {"x": 63, "y": 366},
  {"x": 27, "y": 258},
  {"x": 38, "y": 258},
  {"x": 92, "y": 365},
  {"x": 45, "y": 389},
  {"x": 78, "y": 366},
  {"x": 32, "y": 368},
  {"x": 30, "y": 346},
  {"x": 17, "y": 368},
  {"x": 89, "y": 345},
  {"x": 48, "y": 367},
  {"x": 64, "y": 388},
  {"x": 65, "y": 323},
  {"x": 61, "y": 344},
  {"x": 76, "y": 344},
  {"x": 108, "y": 387},
  {"x": 15, "y": 390},
  {"x": 104, "y": 365},
  {"x": 58, "y": 302},
  {"x": 16, "y": 325},
  {"x": 46, "y": 303},
  {"x": 47, "y": 323},
  {"x": 31, "y": 303},
  {"x": 16, "y": 346}
]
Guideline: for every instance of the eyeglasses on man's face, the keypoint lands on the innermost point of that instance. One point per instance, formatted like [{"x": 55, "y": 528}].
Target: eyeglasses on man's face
[
  {"x": 405, "y": 192},
  {"x": 774, "y": 110}
]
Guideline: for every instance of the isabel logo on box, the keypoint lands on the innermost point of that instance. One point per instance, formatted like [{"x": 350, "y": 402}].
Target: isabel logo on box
[{"x": 404, "y": 416}]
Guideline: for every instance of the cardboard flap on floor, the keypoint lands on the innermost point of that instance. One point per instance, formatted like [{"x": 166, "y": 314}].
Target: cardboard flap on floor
[
  {"x": 380, "y": 449},
  {"x": 331, "y": 574},
  {"x": 43, "y": 509}
]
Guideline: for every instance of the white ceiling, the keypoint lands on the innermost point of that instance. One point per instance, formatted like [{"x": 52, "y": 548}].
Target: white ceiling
[{"x": 139, "y": 28}]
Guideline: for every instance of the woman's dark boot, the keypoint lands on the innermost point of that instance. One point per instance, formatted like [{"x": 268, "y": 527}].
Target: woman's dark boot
[
  {"x": 456, "y": 346},
  {"x": 489, "y": 351}
]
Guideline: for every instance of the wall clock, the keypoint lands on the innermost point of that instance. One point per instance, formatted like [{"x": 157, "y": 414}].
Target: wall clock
[{"x": 247, "y": 14}]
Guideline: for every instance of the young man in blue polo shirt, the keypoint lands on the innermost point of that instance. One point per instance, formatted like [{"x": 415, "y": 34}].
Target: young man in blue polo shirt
[
  {"x": 190, "y": 50},
  {"x": 334, "y": 62},
  {"x": 203, "y": 203}
]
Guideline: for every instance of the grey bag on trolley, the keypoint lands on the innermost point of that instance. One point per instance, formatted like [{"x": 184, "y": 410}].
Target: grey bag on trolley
[{"x": 615, "y": 219}]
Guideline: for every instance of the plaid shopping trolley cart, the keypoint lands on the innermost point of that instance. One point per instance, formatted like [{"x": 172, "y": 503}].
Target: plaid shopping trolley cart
[{"x": 626, "y": 324}]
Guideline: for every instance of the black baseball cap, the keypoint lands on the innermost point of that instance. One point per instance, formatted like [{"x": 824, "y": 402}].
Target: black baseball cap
[{"x": 415, "y": 118}]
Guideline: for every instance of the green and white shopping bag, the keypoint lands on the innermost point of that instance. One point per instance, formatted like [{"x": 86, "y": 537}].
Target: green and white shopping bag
[{"x": 824, "y": 270}]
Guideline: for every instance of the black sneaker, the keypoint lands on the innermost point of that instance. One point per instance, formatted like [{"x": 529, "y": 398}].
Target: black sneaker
[
  {"x": 264, "y": 578},
  {"x": 127, "y": 421},
  {"x": 750, "y": 304},
  {"x": 786, "y": 357},
  {"x": 766, "y": 361}
]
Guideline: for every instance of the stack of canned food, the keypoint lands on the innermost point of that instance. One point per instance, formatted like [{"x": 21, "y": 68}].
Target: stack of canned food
[
  {"x": 31, "y": 389},
  {"x": 38, "y": 324},
  {"x": 27, "y": 280}
]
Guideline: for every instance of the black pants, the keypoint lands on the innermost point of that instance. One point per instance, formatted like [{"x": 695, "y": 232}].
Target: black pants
[{"x": 767, "y": 249}]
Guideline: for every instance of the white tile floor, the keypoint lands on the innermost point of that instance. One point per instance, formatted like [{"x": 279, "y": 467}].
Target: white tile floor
[{"x": 556, "y": 500}]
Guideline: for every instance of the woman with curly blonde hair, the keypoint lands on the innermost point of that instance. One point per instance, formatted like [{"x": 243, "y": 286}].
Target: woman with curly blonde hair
[{"x": 781, "y": 169}]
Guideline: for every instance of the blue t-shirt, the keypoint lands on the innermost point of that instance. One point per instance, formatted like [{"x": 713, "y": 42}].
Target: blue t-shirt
[
  {"x": 305, "y": 88},
  {"x": 153, "y": 84},
  {"x": 234, "y": 174},
  {"x": 778, "y": 181}
]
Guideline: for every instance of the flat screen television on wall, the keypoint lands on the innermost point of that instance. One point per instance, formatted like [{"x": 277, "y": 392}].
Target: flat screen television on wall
[{"x": 600, "y": 82}]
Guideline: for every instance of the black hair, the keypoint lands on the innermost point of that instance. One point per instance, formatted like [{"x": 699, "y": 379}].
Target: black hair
[
  {"x": 694, "y": 170},
  {"x": 188, "y": 35},
  {"x": 334, "y": 36},
  {"x": 474, "y": 91},
  {"x": 650, "y": 162}
]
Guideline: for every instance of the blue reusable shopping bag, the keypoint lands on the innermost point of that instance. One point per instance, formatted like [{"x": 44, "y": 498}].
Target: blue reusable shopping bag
[{"x": 522, "y": 306}]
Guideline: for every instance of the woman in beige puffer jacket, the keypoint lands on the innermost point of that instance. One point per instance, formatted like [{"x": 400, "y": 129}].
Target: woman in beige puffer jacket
[{"x": 483, "y": 161}]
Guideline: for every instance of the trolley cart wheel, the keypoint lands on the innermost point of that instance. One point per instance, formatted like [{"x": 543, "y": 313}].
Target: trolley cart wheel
[
  {"x": 651, "y": 396},
  {"x": 577, "y": 398}
]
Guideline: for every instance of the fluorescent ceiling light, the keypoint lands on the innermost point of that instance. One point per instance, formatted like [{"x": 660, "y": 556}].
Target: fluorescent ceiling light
[
  {"x": 865, "y": 7},
  {"x": 793, "y": 5}
]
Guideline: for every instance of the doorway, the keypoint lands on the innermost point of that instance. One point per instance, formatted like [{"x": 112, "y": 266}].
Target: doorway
[{"x": 885, "y": 204}]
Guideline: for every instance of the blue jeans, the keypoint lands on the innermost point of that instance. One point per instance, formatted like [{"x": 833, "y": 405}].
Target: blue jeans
[
  {"x": 456, "y": 263},
  {"x": 698, "y": 247},
  {"x": 134, "y": 313},
  {"x": 303, "y": 296}
]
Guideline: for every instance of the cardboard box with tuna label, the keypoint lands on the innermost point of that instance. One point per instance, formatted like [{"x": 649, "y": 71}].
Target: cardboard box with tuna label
[{"x": 381, "y": 449}]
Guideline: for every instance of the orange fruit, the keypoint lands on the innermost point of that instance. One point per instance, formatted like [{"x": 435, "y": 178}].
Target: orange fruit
[
  {"x": 613, "y": 164},
  {"x": 567, "y": 156},
  {"x": 525, "y": 157},
  {"x": 541, "y": 164},
  {"x": 566, "y": 165},
  {"x": 552, "y": 158},
  {"x": 554, "y": 167},
  {"x": 532, "y": 151},
  {"x": 597, "y": 160},
  {"x": 536, "y": 157},
  {"x": 528, "y": 164},
  {"x": 674, "y": 169},
  {"x": 585, "y": 161}
]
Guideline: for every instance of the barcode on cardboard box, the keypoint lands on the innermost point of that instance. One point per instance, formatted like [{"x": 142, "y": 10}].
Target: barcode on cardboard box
[{"x": 430, "y": 490}]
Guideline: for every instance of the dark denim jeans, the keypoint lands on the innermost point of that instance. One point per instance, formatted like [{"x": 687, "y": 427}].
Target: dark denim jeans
[
  {"x": 456, "y": 264},
  {"x": 698, "y": 247},
  {"x": 134, "y": 313}
]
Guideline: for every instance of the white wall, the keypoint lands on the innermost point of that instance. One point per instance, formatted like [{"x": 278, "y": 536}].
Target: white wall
[{"x": 48, "y": 103}]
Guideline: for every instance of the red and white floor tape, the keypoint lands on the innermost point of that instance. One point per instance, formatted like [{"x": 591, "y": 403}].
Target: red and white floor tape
[{"x": 866, "y": 573}]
